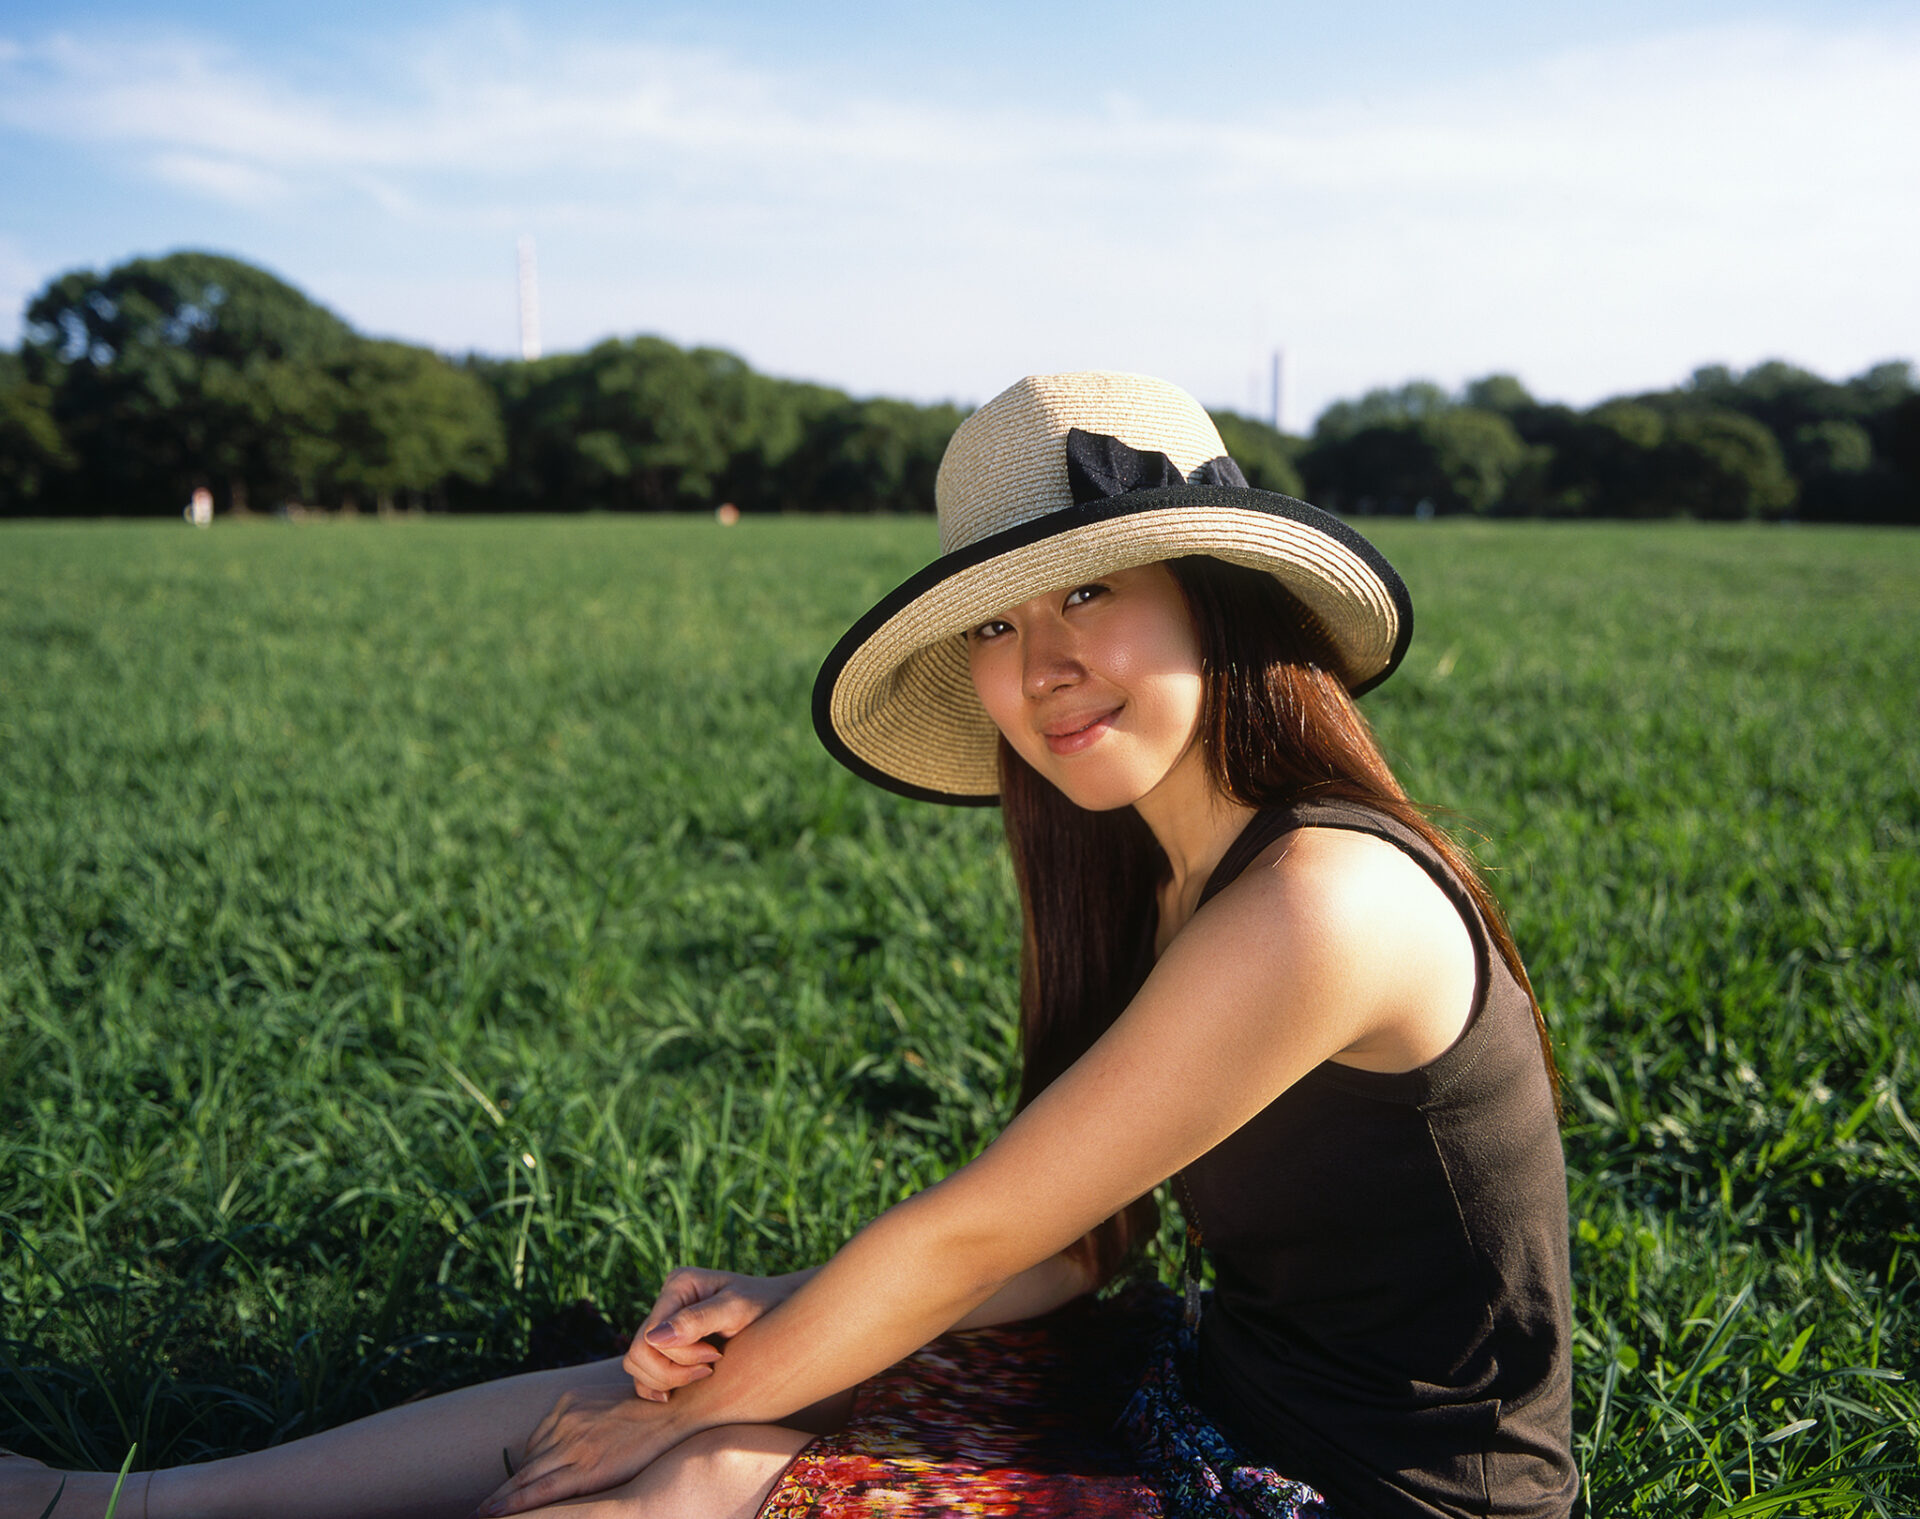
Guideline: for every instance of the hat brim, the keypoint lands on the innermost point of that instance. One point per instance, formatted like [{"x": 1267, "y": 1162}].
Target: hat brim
[{"x": 894, "y": 702}]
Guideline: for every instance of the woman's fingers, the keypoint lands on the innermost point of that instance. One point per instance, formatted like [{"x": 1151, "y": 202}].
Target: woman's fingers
[
  {"x": 681, "y": 1332},
  {"x": 692, "y": 1348},
  {"x": 676, "y": 1348},
  {"x": 654, "y": 1385},
  {"x": 695, "y": 1308},
  {"x": 542, "y": 1436},
  {"x": 682, "y": 1289},
  {"x": 654, "y": 1375},
  {"x": 588, "y": 1443},
  {"x": 539, "y": 1481},
  {"x": 684, "y": 1285}
]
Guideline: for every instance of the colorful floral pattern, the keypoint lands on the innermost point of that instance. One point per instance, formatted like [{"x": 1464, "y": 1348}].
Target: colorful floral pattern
[
  {"x": 1043, "y": 1420},
  {"x": 1193, "y": 1468}
]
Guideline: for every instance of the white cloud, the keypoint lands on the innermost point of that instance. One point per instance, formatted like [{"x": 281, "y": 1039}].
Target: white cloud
[
  {"x": 1600, "y": 220},
  {"x": 222, "y": 178}
]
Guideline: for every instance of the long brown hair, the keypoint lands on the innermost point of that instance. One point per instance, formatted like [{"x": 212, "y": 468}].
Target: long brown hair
[{"x": 1276, "y": 725}]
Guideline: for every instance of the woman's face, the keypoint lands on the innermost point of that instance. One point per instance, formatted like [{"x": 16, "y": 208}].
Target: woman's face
[{"x": 1097, "y": 685}]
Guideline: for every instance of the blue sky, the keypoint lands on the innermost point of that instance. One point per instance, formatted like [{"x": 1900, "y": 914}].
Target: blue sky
[{"x": 932, "y": 200}]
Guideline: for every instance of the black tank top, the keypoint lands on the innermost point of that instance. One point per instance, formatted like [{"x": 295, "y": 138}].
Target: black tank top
[{"x": 1390, "y": 1311}]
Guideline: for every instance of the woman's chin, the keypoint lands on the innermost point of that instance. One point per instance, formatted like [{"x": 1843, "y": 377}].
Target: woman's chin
[{"x": 1091, "y": 791}]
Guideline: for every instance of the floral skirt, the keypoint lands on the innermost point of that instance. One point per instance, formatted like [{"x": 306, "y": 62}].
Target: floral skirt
[{"x": 1080, "y": 1414}]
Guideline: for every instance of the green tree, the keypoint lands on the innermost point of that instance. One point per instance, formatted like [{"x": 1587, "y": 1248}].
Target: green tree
[
  {"x": 787, "y": 448},
  {"x": 1892, "y": 494},
  {"x": 1812, "y": 417},
  {"x": 1773, "y": 439},
  {"x": 1787, "y": 398},
  {"x": 1475, "y": 457},
  {"x": 406, "y": 422},
  {"x": 643, "y": 425},
  {"x": 1903, "y": 437},
  {"x": 1782, "y": 396},
  {"x": 628, "y": 425},
  {"x": 1834, "y": 463},
  {"x": 1613, "y": 460},
  {"x": 191, "y": 368},
  {"x": 1265, "y": 454},
  {"x": 1550, "y": 482},
  {"x": 1717, "y": 463},
  {"x": 1498, "y": 392},
  {"x": 1381, "y": 408},
  {"x": 32, "y": 452},
  {"x": 1458, "y": 459},
  {"x": 880, "y": 456},
  {"x": 1830, "y": 448}
]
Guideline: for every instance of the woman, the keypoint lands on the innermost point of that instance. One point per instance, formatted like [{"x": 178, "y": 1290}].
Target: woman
[{"x": 1249, "y": 965}]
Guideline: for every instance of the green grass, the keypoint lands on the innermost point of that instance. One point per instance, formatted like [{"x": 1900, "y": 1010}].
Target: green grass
[{"x": 406, "y": 929}]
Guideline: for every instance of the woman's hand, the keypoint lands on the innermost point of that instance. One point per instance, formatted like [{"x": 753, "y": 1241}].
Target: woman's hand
[
  {"x": 597, "y": 1439},
  {"x": 593, "y": 1439},
  {"x": 672, "y": 1349}
]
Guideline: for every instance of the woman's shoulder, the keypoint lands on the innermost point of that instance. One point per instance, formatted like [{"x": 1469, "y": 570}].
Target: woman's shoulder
[
  {"x": 1364, "y": 899},
  {"x": 1365, "y": 892},
  {"x": 1266, "y": 825}
]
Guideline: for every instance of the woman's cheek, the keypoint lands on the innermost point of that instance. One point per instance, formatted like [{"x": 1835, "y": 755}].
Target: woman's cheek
[{"x": 988, "y": 683}]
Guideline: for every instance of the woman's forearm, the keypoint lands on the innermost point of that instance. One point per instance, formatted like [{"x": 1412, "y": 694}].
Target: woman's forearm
[
  {"x": 893, "y": 1287},
  {"x": 1056, "y": 1281}
]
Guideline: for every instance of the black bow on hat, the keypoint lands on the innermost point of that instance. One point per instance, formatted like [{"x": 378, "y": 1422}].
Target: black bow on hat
[{"x": 1100, "y": 467}]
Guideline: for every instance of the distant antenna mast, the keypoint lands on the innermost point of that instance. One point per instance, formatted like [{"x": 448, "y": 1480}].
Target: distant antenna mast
[
  {"x": 529, "y": 302},
  {"x": 1276, "y": 390}
]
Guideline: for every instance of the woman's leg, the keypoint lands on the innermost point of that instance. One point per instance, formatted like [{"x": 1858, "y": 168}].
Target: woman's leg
[
  {"x": 725, "y": 1473},
  {"x": 435, "y": 1459},
  {"x": 438, "y": 1457},
  {"x": 720, "y": 1474}
]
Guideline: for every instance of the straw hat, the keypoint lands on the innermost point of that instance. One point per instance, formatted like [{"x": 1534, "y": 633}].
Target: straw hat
[{"x": 1060, "y": 480}]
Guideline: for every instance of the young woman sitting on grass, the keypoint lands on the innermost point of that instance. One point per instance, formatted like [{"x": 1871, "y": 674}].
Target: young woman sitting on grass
[{"x": 1249, "y": 965}]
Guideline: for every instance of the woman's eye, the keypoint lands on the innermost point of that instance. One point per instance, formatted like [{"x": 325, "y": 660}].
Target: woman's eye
[
  {"x": 1084, "y": 593},
  {"x": 985, "y": 630}
]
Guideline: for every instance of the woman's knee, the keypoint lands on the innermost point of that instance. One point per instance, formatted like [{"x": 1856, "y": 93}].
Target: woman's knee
[{"x": 725, "y": 1471}]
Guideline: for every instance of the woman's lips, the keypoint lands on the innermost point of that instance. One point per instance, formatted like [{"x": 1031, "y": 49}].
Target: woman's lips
[{"x": 1082, "y": 737}]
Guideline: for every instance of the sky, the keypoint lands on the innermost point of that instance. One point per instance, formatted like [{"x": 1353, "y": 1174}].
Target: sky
[{"x": 930, "y": 201}]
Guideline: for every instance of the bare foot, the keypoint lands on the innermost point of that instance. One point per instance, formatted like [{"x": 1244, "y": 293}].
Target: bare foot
[{"x": 28, "y": 1490}]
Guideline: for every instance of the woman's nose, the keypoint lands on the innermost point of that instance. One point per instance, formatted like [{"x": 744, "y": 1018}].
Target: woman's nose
[{"x": 1049, "y": 661}]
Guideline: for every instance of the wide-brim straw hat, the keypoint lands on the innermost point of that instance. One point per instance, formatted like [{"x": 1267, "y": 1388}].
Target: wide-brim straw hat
[{"x": 1059, "y": 480}]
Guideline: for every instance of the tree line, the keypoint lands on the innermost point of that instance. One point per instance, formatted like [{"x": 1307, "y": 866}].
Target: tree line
[{"x": 133, "y": 388}]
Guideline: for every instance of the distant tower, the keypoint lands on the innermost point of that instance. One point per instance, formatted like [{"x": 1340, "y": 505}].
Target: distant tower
[
  {"x": 529, "y": 302},
  {"x": 1276, "y": 390}
]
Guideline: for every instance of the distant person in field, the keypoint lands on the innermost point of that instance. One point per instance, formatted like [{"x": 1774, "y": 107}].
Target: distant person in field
[
  {"x": 199, "y": 510},
  {"x": 1251, "y": 969}
]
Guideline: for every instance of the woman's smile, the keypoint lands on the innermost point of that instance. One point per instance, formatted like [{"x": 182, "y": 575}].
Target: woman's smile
[
  {"x": 1097, "y": 686},
  {"x": 1072, "y": 735}
]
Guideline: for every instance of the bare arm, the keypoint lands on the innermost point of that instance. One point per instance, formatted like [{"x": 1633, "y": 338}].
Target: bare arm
[
  {"x": 1055, "y": 1282},
  {"x": 1323, "y": 951},
  {"x": 698, "y": 1303}
]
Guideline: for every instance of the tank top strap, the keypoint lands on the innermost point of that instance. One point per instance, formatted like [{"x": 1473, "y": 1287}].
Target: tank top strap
[
  {"x": 1491, "y": 975},
  {"x": 1330, "y": 812},
  {"x": 1261, "y": 830}
]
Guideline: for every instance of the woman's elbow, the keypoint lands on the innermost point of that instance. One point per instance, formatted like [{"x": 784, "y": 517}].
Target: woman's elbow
[{"x": 973, "y": 1254}]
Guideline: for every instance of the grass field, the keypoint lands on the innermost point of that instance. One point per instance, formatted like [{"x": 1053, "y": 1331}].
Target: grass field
[{"x": 407, "y": 929}]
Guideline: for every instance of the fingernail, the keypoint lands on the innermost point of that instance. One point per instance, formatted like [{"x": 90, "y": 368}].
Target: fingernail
[
  {"x": 702, "y": 1371},
  {"x": 662, "y": 1333}
]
